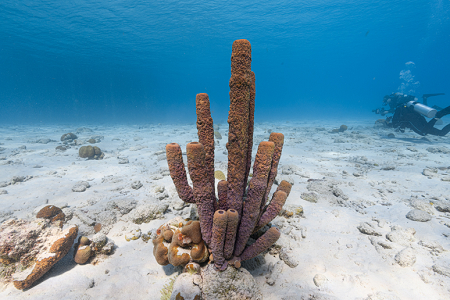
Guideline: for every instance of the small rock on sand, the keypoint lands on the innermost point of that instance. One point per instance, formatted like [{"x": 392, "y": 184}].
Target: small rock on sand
[
  {"x": 368, "y": 228},
  {"x": 310, "y": 197},
  {"x": 80, "y": 186},
  {"x": 418, "y": 215},
  {"x": 406, "y": 257},
  {"x": 319, "y": 280}
]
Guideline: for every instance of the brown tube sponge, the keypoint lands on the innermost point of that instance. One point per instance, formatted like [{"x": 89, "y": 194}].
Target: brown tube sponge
[
  {"x": 255, "y": 195},
  {"x": 278, "y": 140},
  {"x": 251, "y": 117},
  {"x": 222, "y": 189},
  {"x": 178, "y": 173},
  {"x": 205, "y": 131},
  {"x": 202, "y": 190},
  {"x": 285, "y": 187},
  {"x": 230, "y": 238},
  {"x": 192, "y": 229},
  {"x": 261, "y": 244},
  {"x": 272, "y": 210},
  {"x": 218, "y": 237},
  {"x": 238, "y": 120}
]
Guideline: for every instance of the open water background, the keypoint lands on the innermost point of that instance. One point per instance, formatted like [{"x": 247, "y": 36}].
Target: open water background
[{"x": 141, "y": 61}]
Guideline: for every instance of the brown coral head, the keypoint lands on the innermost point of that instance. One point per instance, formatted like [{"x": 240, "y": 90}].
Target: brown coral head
[
  {"x": 49, "y": 212},
  {"x": 175, "y": 259},
  {"x": 97, "y": 227},
  {"x": 192, "y": 230},
  {"x": 199, "y": 252},
  {"x": 83, "y": 254},
  {"x": 160, "y": 252},
  {"x": 83, "y": 240},
  {"x": 167, "y": 234},
  {"x": 183, "y": 240}
]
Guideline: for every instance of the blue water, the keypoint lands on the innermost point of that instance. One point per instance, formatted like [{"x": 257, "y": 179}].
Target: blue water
[{"x": 144, "y": 61}]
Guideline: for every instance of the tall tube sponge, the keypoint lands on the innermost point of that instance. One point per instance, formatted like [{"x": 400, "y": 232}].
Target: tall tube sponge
[
  {"x": 256, "y": 191},
  {"x": 240, "y": 124},
  {"x": 202, "y": 189}
]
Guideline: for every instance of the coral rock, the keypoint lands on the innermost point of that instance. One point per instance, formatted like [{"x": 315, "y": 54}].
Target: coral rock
[
  {"x": 90, "y": 152},
  {"x": 83, "y": 254},
  {"x": 231, "y": 284},
  {"x": 83, "y": 240},
  {"x": 48, "y": 212},
  {"x": 52, "y": 213},
  {"x": 185, "y": 288},
  {"x": 60, "y": 244},
  {"x": 68, "y": 137}
]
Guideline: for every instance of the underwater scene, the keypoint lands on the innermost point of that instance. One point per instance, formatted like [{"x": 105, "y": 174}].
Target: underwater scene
[{"x": 225, "y": 150}]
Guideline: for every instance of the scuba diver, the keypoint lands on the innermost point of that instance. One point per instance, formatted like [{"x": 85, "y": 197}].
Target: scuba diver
[
  {"x": 409, "y": 113},
  {"x": 393, "y": 100}
]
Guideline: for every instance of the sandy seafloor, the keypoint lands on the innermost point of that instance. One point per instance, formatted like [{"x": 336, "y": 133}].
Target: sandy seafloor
[{"x": 380, "y": 178}]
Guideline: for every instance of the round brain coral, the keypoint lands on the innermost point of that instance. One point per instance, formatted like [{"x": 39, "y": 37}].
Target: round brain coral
[{"x": 86, "y": 152}]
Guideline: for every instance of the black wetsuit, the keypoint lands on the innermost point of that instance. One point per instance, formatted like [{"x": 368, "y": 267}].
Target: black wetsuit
[
  {"x": 407, "y": 117},
  {"x": 396, "y": 99}
]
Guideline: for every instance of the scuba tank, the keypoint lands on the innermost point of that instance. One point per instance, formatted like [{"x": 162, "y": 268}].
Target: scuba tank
[{"x": 422, "y": 109}]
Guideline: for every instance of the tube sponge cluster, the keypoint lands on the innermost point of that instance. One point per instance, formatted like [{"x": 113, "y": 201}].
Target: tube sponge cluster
[{"x": 242, "y": 207}]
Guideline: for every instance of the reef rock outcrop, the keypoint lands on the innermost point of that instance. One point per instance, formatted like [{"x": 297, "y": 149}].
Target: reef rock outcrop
[{"x": 28, "y": 249}]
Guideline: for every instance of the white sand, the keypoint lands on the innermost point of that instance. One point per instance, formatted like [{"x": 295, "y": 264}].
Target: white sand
[{"x": 389, "y": 174}]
